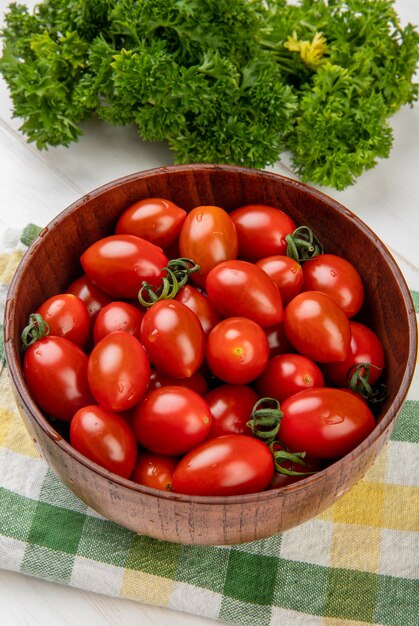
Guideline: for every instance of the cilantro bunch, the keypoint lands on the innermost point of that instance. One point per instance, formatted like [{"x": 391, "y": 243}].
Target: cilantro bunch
[{"x": 229, "y": 82}]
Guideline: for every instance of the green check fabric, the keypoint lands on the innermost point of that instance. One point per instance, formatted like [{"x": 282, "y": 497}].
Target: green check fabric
[{"x": 354, "y": 564}]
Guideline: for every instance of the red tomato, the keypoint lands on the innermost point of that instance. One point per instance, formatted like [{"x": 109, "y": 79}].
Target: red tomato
[
  {"x": 171, "y": 420},
  {"x": 277, "y": 339},
  {"x": 208, "y": 236},
  {"x": 317, "y": 327},
  {"x": 66, "y": 316},
  {"x": 155, "y": 470},
  {"x": 365, "y": 347},
  {"x": 261, "y": 230},
  {"x": 286, "y": 273},
  {"x": 237, "y": 350},
  {"x": 196, "y": 382},
  {"x": 117, "y": 316},
  {"x": 93, "y": 297},
  {"x": 231, "y": 407},
  {"x": 120, "y": 263},
  {"x": 118, "y": 371},
  {"x": 326, "y": 423},
  {"x": 286, "y": 374},
  {"x": 243, "y": 289},
  {"x": 225, "y": 466},
  {"x": 55, "y": 371},
  {"x": 335, "y": 276},
  {"x": 155, "y": 219},
  {"x": 173, "y": 337},
  {"x": 105, "y": 438},
  {"x": 201, "y": 306}
]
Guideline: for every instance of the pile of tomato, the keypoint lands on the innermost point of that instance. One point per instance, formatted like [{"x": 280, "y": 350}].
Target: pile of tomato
[{"x": 207, "y": 353}]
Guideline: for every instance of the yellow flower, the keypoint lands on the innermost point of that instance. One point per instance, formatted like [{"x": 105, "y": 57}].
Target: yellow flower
[{"x": 311, "y": 52}]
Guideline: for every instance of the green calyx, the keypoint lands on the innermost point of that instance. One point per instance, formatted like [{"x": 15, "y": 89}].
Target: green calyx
[
  {"x": 177, "y": 275},
  {"x": 280, "y": 456},
  {"x": 36, "y": 329},
  {"x": 303, "y": 245},
  {"x": 358, "y": 380},
  {"x": 265, "y": 419},
  {"x": 264, "y": 423}
]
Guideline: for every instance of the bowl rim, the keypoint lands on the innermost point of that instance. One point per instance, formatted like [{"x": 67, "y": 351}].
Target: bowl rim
[{"x": 34, "y": 413}]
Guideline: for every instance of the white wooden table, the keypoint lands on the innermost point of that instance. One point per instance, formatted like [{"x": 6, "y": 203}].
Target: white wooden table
[{"x": 35, "y": 186}]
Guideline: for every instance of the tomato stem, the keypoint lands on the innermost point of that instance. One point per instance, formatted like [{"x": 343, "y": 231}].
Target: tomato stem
[
  {"x": 284, "y": 455},
  {"x": 303, "y": 244},
  {"x": 177, "y": 275},
  {"x": 265, "y": 419},
  {"x": 358, "y": 380},
  {"x": 36, "y": 329},
  {"x": 264, "y": 423}
]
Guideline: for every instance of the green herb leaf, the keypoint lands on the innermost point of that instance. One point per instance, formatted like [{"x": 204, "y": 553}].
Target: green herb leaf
[{"x": 230, "y": 82}]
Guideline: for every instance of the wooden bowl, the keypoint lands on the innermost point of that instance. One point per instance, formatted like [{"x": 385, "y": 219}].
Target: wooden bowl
[{"x": 51, "y": 264}]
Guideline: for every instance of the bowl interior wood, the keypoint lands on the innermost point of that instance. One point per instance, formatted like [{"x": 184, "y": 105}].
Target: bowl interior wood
[{"x": 51, "y": 264}]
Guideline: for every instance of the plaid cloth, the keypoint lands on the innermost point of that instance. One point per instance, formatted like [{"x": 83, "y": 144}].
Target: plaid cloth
[{"x": 354, "y": 564}]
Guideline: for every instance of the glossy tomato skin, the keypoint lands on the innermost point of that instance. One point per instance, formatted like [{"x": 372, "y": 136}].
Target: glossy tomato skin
[
  {"x": 365, "y": 347},
  {"x": 231, "y": 407},
  {"x": 117, "y": 316},
  {"x": 225, "y": 466},
  {"x": 171, "y": 420},
  {"x": 286, "y": 273},
  {"x": 338, "y": 278},
  {"x": 237, "y": 350},
  {"x": 173, "y": 338},
  {"x": 239, "y": 288},
  {"x": 155, "y": 470},
  {"x": 317, "y": 327},
  {"x": 196, "y": 382},
  {"x": 93, "y": 297},
  {"x": 261, "y": 230},
  {"x": 55, "y": 372},
  {"x": 287, "y": 374},
  {"x": 120, "y": 263},
  {"x": 201, "y": 306},
  {"x": 66, "y": 316},
  {"x": 118, "y": 371},
  {"x": 157, "y": 220},
  {"x": 326, "y": 423},
  {"x": 105, "y": 438},
  {"x": 208, "y": 236}
]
